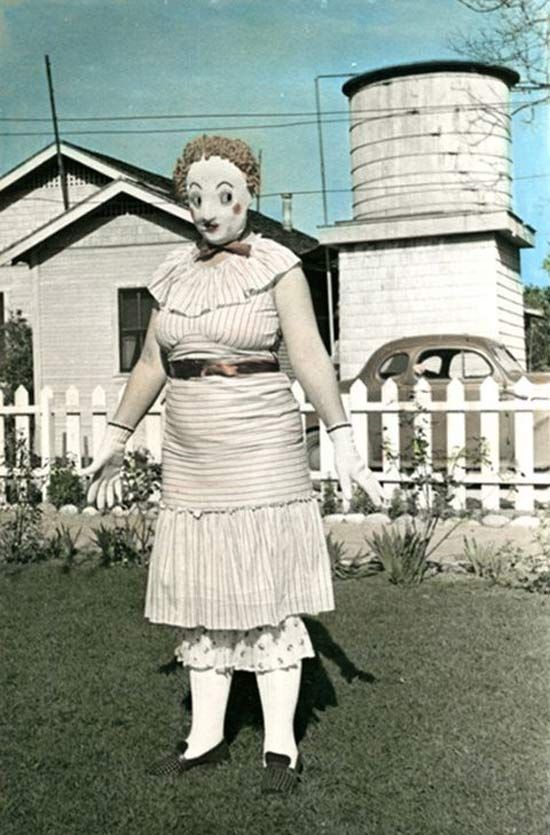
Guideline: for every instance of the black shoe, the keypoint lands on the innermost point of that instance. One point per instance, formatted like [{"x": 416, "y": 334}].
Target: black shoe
[
  {"x": 279, "y": 777},
  {"x": 177, "y": 763}
]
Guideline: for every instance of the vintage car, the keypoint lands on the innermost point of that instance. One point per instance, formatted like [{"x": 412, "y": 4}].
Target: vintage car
[{"x": 439, "y": 359}]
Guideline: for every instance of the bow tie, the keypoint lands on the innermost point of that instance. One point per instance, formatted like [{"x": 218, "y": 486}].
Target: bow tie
[{"x": 207, "y": 251}]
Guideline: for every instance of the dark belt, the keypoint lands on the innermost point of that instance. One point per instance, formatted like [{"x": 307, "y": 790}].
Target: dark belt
[{"x": 185, "y": 369}]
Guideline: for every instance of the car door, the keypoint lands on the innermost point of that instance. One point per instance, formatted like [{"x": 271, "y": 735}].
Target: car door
[
  {"x": 393, "y": 365},
  {"x": 471, "y": 366}
]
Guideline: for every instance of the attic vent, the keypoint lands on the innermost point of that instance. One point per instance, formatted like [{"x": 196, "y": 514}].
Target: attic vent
[
  {"x": 77, "y": 175},
  {"x": 126, "y": 207}
]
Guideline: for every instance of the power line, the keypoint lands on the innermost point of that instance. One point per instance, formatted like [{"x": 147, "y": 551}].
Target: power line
[
  {"x": 347, "y": 117},
  {"x": 197, "y": 129},
  {"x": 389, "y": 190},
  {"x": 497, "y": 105}
]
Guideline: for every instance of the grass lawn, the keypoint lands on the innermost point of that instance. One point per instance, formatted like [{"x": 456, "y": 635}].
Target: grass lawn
[{"x": 427, "y": 712}]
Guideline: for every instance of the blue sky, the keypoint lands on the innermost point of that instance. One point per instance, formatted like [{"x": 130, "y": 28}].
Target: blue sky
[{"x": 151, "y": 57}]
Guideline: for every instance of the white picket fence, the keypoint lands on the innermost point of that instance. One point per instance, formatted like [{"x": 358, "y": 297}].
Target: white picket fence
[{"x": 36, "y": 425}]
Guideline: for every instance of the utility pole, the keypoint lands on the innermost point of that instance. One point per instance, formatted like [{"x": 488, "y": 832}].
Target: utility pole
[
  {"x": 330, "y": 300},
  {"x": 60, "y": 164},
  {"x": 260, "y": 167}
]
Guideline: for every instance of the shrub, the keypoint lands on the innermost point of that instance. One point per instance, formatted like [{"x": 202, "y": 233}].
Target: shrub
[
  {"x": 509, "y": 566},
  {"x": 21, "y": 539},
  {"x": 127, "y": 543},
  {"x": 361, "y": 502},
  {"x": 140, "y": 476},
  {"x": 330, "y": 503},
  {"x": 65, "y": 485},
  {"x": 16, "y": 368},
  {"x": 22, "y": 486},
  {"x": 398, "y": 504}
]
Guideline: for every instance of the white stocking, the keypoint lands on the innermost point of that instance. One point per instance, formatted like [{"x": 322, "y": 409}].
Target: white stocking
[
  {"x": 209, "y": 696},
  {"x": 279, "y": 691}
]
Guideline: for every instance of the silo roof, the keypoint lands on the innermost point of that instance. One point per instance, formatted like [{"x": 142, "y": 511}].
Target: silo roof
[{"x": 510, "y": 77}]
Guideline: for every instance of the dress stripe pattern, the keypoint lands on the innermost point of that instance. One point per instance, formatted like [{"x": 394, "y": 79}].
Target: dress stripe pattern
[{"x": 239, "y": 540}]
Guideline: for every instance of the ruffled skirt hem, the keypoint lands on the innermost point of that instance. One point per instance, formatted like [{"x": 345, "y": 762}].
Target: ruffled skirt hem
[
  {"x": 258, "y": 650},
  {"x": 241, "y": 569}
]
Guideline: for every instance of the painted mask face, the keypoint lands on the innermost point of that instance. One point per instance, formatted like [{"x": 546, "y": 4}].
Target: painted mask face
[{"x": 218, "y": 199}]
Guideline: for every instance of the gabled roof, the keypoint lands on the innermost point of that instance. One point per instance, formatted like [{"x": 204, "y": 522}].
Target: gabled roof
[
  {"x": 141, "y": 175},
  {"x": 154, "y": 196},
  {"x": 100, "y": 197},
  {"x": 97, "y": 162},
  {"x": 148, "y": 185}
]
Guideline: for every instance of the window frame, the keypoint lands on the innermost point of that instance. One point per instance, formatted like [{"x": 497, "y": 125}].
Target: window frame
[
  {"x": 398, "y": 353},
  {"x": 140, "y": 332}
]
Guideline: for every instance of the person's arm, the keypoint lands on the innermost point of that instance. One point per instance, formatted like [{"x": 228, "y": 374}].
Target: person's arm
[
  {"x": 144, "y": 385},
  {"x": 145, "y": 382},
  {"x": 306, "y": 351},
  {"x": 315, "y": 372}
]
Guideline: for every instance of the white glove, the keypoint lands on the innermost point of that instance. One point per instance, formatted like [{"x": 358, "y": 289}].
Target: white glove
[
  {"x": 351, "y": 468},
  {"x": 106, "y": 487}
]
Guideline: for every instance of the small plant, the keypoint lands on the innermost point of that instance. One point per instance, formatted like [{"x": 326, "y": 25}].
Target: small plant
[
  {"x": 504, "y": 565},
  {"x": 142, "y": 530},
  {"x": 16, "y": 366},
  {"x": 21, "y": 539},
  {"x": 22, "y": 486},
  {"x": 362, "y": 565},
  {"x": 104, "y": 540},
  {"x": 484, "y": 559},
  {"x": 398, "y": 504},
  {"x": 330, "y": 503},
  {"x": 428, "y": 497},
  {"x": 402, "y": 554},
  {"x": 128, "y": 543},
  {"x": 140, "y": 477},
  {"x": 65, "y": 485},
  {"x": 361, "y": 502},
  {"x": 62, "y": 546}
]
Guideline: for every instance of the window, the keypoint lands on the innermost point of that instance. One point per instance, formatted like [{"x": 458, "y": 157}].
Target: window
[
  {"x": 431, "y": 364},
  {"x": 134, "y": 311},
  {"x": 394, "y": 366},
  {"x": 469, "y": 365}
]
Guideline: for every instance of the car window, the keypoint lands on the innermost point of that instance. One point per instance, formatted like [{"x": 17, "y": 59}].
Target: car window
[
  {"x": 469, "y": 365},
  {"x": 394, "y": 366},
  {"x": 508, "y": 361},
  {"x": 431, "y": 365}
]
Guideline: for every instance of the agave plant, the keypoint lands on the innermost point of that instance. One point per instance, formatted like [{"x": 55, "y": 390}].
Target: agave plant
[{"x": 402, "y": 554}]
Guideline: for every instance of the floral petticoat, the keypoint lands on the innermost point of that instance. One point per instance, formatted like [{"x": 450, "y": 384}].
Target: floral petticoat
[{"x": 261, "y": 649}]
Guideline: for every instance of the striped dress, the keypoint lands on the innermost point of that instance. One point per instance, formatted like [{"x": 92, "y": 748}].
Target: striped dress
[{"x": 239, "y": 542}]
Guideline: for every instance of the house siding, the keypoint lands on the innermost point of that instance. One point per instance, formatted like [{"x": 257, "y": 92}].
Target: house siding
[
  {"x": 78, "y": 308},
  {"x": 36, "y": 199},
  {"x": 16, "y": 285},
  {"x": 408, "y": 288},
  {"x": 509, "y": 291}
]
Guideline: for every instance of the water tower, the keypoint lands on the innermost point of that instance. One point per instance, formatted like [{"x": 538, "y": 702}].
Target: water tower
[{"x": 433, "y": 245}]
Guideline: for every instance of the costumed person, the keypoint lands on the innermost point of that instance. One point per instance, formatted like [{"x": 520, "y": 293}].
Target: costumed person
[{"x": 239, "y": 550}]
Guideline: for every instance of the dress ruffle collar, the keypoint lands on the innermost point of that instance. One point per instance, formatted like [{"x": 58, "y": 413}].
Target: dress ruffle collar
[{"x": 192, "y": 288}]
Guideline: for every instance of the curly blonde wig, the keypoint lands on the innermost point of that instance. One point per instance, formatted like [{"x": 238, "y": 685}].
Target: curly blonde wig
[{"x": 234, "y": 150}]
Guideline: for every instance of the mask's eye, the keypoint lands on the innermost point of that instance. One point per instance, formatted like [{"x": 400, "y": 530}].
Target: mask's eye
[
  {"x": 226, "y": 198},
  {"x": 195, "y": 200}
]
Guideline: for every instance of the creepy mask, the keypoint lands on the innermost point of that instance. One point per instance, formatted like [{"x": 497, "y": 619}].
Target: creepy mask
[{"x": 218, "y": 199}]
